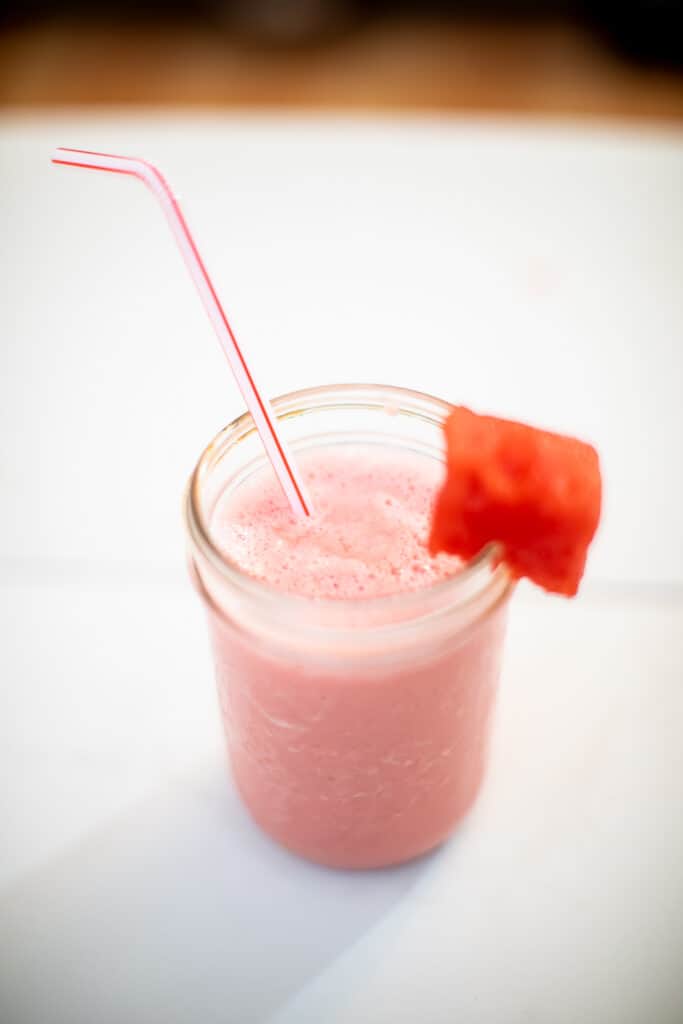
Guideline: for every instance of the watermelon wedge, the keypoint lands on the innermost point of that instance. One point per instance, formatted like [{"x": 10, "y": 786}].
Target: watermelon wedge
[{"x": 536, "y": 493}]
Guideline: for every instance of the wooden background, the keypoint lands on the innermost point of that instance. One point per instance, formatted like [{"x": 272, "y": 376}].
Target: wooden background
[{"x": 392, "y": 63}]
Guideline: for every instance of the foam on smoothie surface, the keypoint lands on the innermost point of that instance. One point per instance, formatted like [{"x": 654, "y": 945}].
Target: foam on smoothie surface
[{"x": 368, "y": 537}]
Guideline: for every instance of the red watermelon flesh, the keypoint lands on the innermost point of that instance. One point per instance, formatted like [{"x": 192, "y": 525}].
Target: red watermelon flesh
[{"x": 536, "y": 493}]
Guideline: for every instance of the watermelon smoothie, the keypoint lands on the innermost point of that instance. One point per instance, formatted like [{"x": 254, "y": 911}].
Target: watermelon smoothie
[{"x": 356, "y": 673}]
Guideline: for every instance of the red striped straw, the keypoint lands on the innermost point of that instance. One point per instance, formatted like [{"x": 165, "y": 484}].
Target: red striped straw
[{"x": 259, "y": 407}]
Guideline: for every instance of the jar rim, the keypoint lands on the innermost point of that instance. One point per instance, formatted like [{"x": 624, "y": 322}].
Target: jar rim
[{"x": 484, "y": 566}]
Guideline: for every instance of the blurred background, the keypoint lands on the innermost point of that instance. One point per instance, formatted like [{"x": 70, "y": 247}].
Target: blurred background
[
  {"x": 501, "y": 225},
  {"x": 566, "y": 57}
]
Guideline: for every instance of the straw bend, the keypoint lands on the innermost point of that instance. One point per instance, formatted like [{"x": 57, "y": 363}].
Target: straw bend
[{"x": 259, "y": 407}]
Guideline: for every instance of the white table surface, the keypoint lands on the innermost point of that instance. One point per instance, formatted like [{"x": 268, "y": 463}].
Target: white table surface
[{"x": 533, "y": 271}]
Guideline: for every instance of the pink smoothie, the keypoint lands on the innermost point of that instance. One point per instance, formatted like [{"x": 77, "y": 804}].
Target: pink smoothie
[
  {"x": 368, "y": 535},
  {"x": 352, "y": 758}
]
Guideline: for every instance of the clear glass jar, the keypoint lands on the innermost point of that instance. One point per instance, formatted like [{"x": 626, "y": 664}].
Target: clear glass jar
[{"x": 357, "y": 729}]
